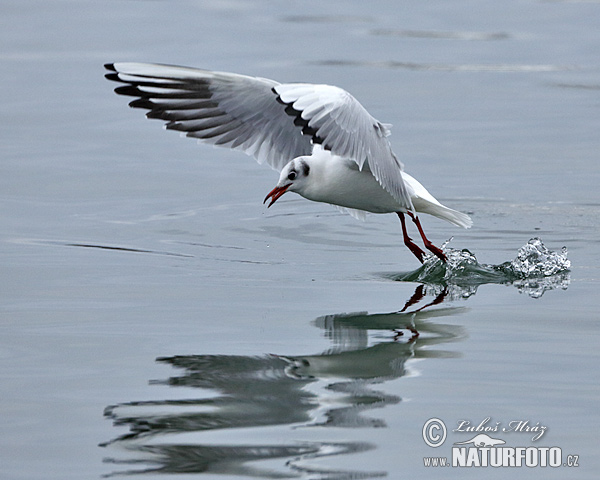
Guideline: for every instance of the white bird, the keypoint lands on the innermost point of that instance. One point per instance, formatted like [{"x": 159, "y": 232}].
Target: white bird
[{"x": 327, "y": 147}]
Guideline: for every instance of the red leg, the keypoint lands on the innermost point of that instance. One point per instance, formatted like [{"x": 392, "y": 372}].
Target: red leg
[
  {"x": 428, "y": 245},
  {"x": 420, "y": 254}
]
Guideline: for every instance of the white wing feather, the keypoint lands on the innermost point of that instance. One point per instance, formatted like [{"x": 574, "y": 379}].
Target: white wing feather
[{"x": 337, "y": 121}]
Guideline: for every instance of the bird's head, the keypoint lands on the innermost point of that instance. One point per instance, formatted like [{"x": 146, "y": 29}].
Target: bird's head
[{"x": 293, "y": 178}]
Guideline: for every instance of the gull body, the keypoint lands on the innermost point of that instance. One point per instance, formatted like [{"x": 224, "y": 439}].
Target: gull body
[
  {"x": 327, "y": 178},
  {"x": 324, "y": 177},
  {"x": 325, "y": 145}
]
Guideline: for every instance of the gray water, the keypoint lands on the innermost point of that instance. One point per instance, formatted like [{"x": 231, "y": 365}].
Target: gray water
[{"x": 158, "y": 320}]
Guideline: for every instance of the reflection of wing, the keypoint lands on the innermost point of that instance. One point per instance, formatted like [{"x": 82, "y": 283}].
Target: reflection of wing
[
  {"x": 238, "y": 392},
  {"x": 223, "y": 109}
]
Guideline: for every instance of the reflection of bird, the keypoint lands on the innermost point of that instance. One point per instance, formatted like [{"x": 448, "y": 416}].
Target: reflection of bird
[
  {"x": 482, "y": 440},
  {"x": 327, "y": 147},
  {"x": 277, "y": 393}
]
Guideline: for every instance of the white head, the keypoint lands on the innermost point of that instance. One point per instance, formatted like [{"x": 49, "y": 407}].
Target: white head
[{"x": 293, "y": 177}]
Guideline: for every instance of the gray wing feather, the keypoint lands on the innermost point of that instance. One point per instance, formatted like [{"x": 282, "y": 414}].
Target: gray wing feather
[{"x": 223, "y": 109}]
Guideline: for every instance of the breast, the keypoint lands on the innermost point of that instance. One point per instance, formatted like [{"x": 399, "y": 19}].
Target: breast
[{"x": 341, "y": 183}]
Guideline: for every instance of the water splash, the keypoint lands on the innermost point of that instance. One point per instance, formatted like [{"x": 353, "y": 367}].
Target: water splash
[
  {"x": 534, "y": 259},
  {"x": 533, "y": 271}
]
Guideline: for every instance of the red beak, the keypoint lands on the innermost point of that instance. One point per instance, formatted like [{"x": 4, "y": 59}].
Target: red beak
[{"x": 276, "y": 193}]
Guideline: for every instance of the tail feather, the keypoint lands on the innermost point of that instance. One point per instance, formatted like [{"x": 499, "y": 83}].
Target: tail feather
[
  {"x": 452, "y": 216},
  {"x": 431, "y": 206},
  {"x": 424, "y": 202}
]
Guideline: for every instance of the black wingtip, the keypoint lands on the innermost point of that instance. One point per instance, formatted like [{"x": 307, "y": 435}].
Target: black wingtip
[
  {"x": 113, "y": 77},
  {"x": 110, "y": 66},
  {"x": 144, "y": 103},
  {"x": 128, "y": 90}
]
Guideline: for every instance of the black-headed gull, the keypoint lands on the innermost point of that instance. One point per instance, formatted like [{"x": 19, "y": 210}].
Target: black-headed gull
[{"x": 327, "y": 147}]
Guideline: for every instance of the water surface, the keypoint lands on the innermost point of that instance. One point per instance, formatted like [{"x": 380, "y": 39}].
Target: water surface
[{"x": 157, "y": 320}]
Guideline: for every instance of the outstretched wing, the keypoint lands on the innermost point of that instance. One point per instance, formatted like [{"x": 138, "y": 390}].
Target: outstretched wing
[
  {"x": 223, "y": 109},
  {"x": 336, "y": 120},
  {"x": 271, "y": 121}
]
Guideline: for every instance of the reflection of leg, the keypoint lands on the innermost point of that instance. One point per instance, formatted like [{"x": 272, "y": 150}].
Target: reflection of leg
[
  {"x": 430, "y": 246},
  {"x": 417, "y": 252},
  {"x": 416, "y": 297},
  {"x": 411, "y": 329},
  {"x": 437, "y": 300}
]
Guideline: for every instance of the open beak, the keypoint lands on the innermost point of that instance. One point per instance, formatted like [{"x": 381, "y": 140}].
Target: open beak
[{"x": 276, "y": 193}]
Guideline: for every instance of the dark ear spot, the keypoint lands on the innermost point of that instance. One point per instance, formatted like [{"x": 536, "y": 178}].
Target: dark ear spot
[{"x": 305, "y": 168}]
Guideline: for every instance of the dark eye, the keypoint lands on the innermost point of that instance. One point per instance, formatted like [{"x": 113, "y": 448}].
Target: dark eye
[{"x": 292, "y": 175}]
